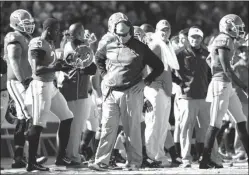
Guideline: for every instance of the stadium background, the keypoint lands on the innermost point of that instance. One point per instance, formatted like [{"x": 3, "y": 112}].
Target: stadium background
[{"x": 94, "y": 16}]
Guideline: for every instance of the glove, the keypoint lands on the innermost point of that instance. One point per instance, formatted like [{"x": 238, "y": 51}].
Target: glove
[{"x": 61, "y": 65}]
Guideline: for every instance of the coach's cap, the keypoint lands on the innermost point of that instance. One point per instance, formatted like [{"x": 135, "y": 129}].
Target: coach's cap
[
  {"x": 147, "y": 28},
  {"x": 50, "y": 22},
  {"x": 195, "y": 31},
  {"x": 162, "y": 24}
]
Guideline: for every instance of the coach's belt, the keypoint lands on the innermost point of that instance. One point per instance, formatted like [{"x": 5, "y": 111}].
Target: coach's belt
[{"x": 5, "y": 89}]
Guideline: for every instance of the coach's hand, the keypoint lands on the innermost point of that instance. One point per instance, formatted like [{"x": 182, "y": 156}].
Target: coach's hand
[
  {"x": 61, "y": 65},
  {"x": 26, "y": 82}
]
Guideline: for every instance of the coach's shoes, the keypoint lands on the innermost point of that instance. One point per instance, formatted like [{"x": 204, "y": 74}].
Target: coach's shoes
[
  {"x": 41, "y": 159},
  {"x": 36, "y": 166},
  {"x": 132, "y": 167},
  {"x": 185, "y": 165},
  {"x": 118, "y": 158},
  {"x": 98, "y": 166},
  {"x": 62, "y": 161},
  {"x": 206, "y": 165},
  {"x": 19, "y": 162}
]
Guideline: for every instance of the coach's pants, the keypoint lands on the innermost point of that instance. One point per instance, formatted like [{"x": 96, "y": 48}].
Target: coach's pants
[
  {"x": 81, "y": 111},
  {"x": 4, "y": 104},
  {"x": 177, "y": 120},
  {"x": 190, "y": 112},
  {"x": 223, "y": 98},
  {"x": 93, "y": 120},
  {"x": 127, "y": 106},
  {"x": 46, "y": 98},
  {"x": 18, "y": 94},
  {"x": 157, "y": 121}
]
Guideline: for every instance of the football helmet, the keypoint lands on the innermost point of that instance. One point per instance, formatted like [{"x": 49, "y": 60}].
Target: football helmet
[
  {"x": 115, "y": 19},
  {"x": 232, "y": 25},
  {"x": 81, "y": 58},
  {"x": 22, "y": 21},
  {"x": 139, "y": 33}
]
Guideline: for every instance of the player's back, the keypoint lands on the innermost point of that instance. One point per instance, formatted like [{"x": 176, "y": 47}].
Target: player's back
[
  {"x": 39, "y": 44},
  {"x": 17, "y": 38},
  {"x": 221, "y": 41}
]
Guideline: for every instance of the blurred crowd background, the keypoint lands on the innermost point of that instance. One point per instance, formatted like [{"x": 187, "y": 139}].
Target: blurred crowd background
[{"x": 94, "y": 14}]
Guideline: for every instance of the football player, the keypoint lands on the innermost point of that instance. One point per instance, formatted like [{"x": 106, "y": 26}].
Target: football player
[
  {"x": 19, "y": 75},
  {"x": 220, "y": 92},
  {"x": 46, "y": 97}
]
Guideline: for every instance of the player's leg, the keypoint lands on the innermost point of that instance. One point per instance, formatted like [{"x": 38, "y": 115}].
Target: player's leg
[
  {"x": 4, "y": 106},
  {"x": 239, "y": 149},
  {"x": 219, "y": 106},
  {"x": 16, "y": 91},
  {"x": 203, "y": 120},
  {"x": 60, "y": 108},
  {"x": 41, "y": 102},
  {"x": 235, "y": 108},
  {"x": 170, "y": 147}
]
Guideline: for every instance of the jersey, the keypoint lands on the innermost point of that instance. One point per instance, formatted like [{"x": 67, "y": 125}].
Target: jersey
[
  {"x": 221, "y": 41},
  {"x": 17, "y": 38},
  {"x": 49, "y": 58}
]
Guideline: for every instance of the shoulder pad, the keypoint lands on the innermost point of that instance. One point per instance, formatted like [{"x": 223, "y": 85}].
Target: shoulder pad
[
  {"x": 224, "y": 41},
  {"x": 37, "y": 43},
  {"x": 15, "y": 37}
]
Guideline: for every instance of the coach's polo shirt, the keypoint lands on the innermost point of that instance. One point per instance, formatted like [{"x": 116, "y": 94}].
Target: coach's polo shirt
[{"x": 194, "y": 73}]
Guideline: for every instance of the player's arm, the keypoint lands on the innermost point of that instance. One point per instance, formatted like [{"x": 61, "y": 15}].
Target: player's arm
[
  {"x": 14, "y": 55},
  {"x": 37, "y": 56},
  {"x": 225, "y": 62}
]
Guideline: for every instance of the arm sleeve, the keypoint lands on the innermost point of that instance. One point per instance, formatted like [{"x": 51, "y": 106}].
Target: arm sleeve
[
  {"x": 100, "y": 58},
  {"x": 37, "y": 54},
  {"x": 155, "y": 63},
  {"x": 90, "y": 70},
  {"x": 3, "y": 66}
]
